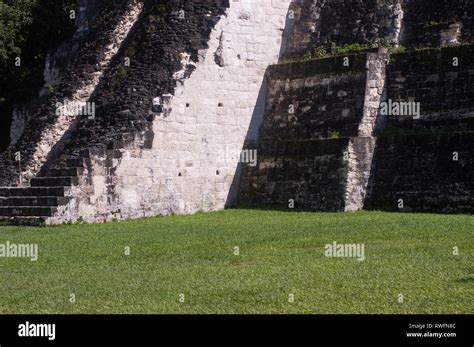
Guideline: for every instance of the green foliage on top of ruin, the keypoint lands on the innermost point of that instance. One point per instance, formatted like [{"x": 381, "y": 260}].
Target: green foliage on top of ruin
[
  {"x": 442, "y": 57},
  {"x": 351, "y": 48},
  {"x": 321, "y": 52}
]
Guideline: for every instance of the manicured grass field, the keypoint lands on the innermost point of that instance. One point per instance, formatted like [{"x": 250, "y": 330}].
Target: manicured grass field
[{"x": 281, "y": 253}]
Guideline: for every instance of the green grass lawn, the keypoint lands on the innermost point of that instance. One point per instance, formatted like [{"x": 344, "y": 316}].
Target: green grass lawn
[{"x": 281, "y": 253}]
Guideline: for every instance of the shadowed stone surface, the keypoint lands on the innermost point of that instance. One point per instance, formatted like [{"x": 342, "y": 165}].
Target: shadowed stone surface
[{"x": 201, "y": 84}]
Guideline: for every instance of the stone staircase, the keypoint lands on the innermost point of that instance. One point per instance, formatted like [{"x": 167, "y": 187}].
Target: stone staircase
[
  {"x": 51, "y": 192},
  {"x": 33, "y": 205},
  {"x": 53, "y": 196},
  {"x": 74, "y": 192},
  {"x": 51, "y": 120}
]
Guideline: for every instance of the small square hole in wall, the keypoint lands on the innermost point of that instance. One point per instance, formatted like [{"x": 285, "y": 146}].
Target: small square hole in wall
[
  {"x": 179, "y": 175},
  {"x": 187, "y": 104},
  {"x": 220, "y": 104},
  {"x": 217, "y": 172}
]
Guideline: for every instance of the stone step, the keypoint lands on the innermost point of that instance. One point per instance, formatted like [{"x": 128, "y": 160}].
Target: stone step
[
  {"x": 54, "y": 181},
  {"x": 65, "y": 172},
  {"x": 25, "y": 221},
  {"x": 27, "y": 211},
  {"x": 34, "y": 201},
  {"x": 33, "y": 191},
  {"x": 75, "y": 162}
]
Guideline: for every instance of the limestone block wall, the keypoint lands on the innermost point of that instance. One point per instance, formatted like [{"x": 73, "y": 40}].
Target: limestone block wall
[
  {"x": 442, "y": 81},
  {"x": 105, "y": 193},
  {"x": 426, "y": 23},
  {"x": 187, "y": 159},
  {"x": 360, "y": 151},
  {"x": 316, "y": 99},
  {"x": 302, "y": 22},
  {"x": 424, "y": 173},
  {"x": 161, "y": 52},
  {"x": 425, "y": 163},
  {"x": 325, "y": 23},
  {"x": 358, "y": 157},
  {"x": 411, "y": 23},
  {"x": 316, "y": 144},
  {"x": 200, "y": 86},
  {"x": 306, "y": 174},
  {"x": 353, "y": 21}
]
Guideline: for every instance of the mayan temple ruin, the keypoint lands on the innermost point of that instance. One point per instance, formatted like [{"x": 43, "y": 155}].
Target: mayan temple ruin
[{"x": 173, "y": 107}]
